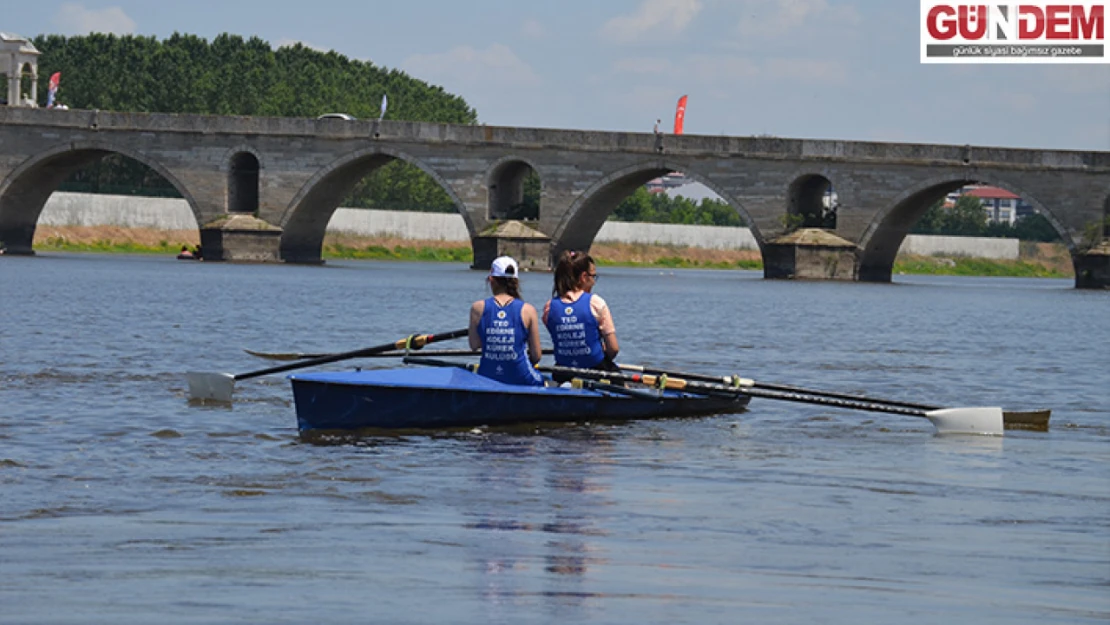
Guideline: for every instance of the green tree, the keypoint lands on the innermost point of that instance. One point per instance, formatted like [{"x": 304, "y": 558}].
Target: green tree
[
  {"x": 235, "y": 76},
  {"x": 1035, "y": 227},
  {"x": 644, "y": 206},
  {"x": 634, "y": 207},
  {"x": 967, "y": 218},
  {"x": 932, "y": 222}
]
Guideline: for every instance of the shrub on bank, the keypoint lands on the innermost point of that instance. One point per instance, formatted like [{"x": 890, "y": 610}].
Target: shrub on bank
[{"x": 629, "y": 256}]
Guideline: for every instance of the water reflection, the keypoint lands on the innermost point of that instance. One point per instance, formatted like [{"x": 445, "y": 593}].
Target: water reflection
[{"x": 540, "y": 506}]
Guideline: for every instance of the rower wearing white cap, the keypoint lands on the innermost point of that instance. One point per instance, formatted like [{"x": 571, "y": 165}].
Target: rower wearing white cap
[{"x": 503, "y": 326}]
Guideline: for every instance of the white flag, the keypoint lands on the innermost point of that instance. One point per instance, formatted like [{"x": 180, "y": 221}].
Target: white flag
[{"x": 385, "y": 102}]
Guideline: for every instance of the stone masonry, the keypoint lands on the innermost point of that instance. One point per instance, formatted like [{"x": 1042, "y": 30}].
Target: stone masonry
[{"x": 289, "y": 175}]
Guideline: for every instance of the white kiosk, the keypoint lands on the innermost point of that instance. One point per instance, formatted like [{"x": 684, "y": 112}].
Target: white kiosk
[{"x": 19, "y": 59}]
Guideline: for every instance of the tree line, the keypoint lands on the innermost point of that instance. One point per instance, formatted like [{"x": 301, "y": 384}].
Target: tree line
[
  {"x": 642, "y": 206},
  {"x": 645, "y": 206},
  {"x": 235, "y": 76},
  {"x": 966, "y": 218}
]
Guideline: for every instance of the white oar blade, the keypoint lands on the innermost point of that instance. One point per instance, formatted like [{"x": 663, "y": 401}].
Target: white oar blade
[
  {"x": 978, "y": 420},
  {"x": 210, "y": 386}
]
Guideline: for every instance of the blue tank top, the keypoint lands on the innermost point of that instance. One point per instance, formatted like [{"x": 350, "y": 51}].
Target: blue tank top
[
  {"x": 504, "y": 345},
  {"x": 573, "y": 329}
]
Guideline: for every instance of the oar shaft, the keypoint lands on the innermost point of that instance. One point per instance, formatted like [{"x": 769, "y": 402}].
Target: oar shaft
[
  {"x": 1027, "y": 419},
  {"x": 434, "y": 362},
  {"x": 415, "y": 342},
  {"x": 388, "y": 354},
  {"x": 678, "y": 383},
  {"x": 748, "y": 383},
  {"x": 592, "y": 384},
  {"x": 849, "y": 396}
]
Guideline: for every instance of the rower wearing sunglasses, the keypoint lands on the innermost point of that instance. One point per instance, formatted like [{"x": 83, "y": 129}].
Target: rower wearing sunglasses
[{"x": 580, "y": 323}]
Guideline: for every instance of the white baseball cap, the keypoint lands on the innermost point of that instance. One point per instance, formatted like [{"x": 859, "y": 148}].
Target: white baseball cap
[{"x": 504, "y": 267}]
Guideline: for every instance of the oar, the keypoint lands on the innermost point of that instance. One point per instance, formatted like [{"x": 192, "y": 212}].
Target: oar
[
  {"x": 972, "y": 420},
  {"x": 287, "y": 355},
  {"x": 638, "y": 393},
  {"x": 1011, "y": 419},
  {"x": 432, "y": 362},
  {"x": 616, "y": 389},
  {"x": 219, "y": 386},
  {"x": 389, "y": 354}
]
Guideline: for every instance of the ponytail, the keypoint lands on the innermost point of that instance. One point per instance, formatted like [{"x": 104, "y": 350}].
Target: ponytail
[{"x": 570, "y": 266}]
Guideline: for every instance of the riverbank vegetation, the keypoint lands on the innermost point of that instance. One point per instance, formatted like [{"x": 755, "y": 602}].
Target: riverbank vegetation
[{"x": 1040, "y": 260}]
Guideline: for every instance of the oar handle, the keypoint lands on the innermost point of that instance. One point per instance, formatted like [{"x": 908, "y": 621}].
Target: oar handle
[{"x": 415, "y": 341}]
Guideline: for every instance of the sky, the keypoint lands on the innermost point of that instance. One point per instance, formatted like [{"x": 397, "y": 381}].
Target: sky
[{"x": 808, "y": 69}]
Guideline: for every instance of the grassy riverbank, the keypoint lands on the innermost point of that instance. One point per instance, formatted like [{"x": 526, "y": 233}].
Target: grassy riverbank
[{"x": 1040, "y": 260}]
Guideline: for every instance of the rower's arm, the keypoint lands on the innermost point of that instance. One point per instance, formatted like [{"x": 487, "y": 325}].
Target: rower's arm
[{"x": 476, "y": 310}]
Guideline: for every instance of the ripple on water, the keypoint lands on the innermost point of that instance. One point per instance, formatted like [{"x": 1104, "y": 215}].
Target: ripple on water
[{"x": 122, "y": 500}]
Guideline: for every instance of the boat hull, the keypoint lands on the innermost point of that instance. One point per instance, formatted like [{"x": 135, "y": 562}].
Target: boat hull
[{"x": 449, "y": 397}]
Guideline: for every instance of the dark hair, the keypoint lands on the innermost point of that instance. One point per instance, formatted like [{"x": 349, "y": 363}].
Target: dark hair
[
  {"x": 570, "y": 266},
  {"x": 509, "y": 285}
]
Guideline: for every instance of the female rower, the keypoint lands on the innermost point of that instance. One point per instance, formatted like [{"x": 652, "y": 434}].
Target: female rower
[
  {"x": 502, "y": 325},
  {"x": 580, "y": 323}
]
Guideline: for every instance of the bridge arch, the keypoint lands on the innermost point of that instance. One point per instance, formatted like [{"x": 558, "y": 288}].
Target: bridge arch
[
  {"x": 505, "y": 183},
  {"x": 305, "y": 220},
  {"x": 810, "y": 203},
  {"x": 242, "y": 184},
  {"x": 23, "y": 193},
  {"x": 243, "y": 165},
  {"x": 888, "y": 228},
  {"x": 581, "y": 223}
]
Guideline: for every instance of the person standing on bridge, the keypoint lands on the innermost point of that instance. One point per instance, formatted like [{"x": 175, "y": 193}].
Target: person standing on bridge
[
  {"x": 580, "y": 323},
  {"x": 503, "y": 326}
]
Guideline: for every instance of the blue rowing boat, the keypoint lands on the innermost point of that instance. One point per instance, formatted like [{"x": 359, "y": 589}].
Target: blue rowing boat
[{"x": 432, "y": 398}]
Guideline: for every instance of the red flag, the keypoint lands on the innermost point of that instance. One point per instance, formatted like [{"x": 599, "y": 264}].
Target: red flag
[
  {"x": 679, "y": 115},
  {"x": 52, "y": 90}
]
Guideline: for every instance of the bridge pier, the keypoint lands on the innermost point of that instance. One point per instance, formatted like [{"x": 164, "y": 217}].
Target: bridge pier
[
  {"x": 529, "y": 247},
  {"x": 1092, "y": 268},
  {"x": 810, "y": 254},
  {"x": 17, "y": 241},
  {"x": 240, "y": 238}
]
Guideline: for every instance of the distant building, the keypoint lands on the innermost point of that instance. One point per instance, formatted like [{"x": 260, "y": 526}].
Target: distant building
[
  {"x": 1000, "y": 205},
  {"x": 670, "y": 181}
]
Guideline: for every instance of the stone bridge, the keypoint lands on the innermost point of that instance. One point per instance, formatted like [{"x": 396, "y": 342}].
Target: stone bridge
[{"x": 264, "y": 189}]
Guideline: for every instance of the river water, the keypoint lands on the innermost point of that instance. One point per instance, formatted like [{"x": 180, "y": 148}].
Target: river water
[{"x": 123, "y": 503}]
